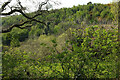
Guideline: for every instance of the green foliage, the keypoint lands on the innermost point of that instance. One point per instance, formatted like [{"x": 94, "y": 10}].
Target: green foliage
[
  {"x": 104, "y": 14},
  {"x": 6, "y": 38},
  {"x": 16, "y": 35},
  {"x": 64, "y": 48},
  {"x": 14, "y": 43},
  {"x": 114, "y": 11},
  {"x": 36, "y": 31},
  {"x": 56, "y": 29},
  {"x": 64, "y": 18},
  {"x": 90, "y": 54}
]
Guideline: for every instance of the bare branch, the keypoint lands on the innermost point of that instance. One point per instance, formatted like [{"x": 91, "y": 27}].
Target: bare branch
[
  {"x": 15, "y": 25},
  {"x": 19, "y": 26},
  {"x": 20, "y": 9},
  {"x": 4, "y": 5},
  {"x": 41, "y": 5},
  {"x": 10, "y": 7}
]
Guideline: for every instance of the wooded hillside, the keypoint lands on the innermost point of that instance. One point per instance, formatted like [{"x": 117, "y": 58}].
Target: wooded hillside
[{"x": 78, "y": 42}]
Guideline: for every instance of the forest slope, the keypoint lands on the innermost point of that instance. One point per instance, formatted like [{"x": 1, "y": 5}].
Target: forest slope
[{"x": 77, "y": 42}]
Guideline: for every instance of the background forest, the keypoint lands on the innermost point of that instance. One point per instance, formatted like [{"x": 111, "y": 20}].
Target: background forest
[{"x": 77, "y": 42}]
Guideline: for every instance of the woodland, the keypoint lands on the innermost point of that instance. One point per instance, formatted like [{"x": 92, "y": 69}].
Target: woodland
[{"x": 68, "y": 43}]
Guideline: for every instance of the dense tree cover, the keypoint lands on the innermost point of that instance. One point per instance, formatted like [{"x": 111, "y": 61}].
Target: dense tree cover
[
  {"x": 115, "y": 10},
  {"x": 81, "y": 14},
  {"x": 86, "y": 55},
  {"x": 69, "y": 46}
]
